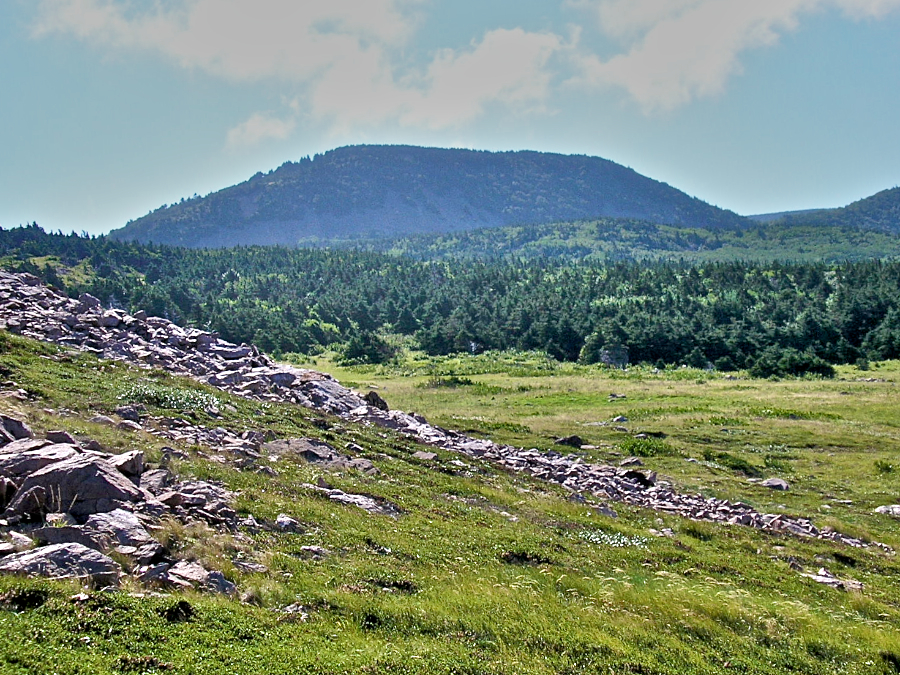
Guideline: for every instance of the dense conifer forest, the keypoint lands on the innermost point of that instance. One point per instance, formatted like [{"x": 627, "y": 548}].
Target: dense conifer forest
[{"x": 772, "y": 318}]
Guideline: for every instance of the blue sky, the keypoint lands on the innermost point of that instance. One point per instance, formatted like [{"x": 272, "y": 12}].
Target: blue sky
[{"x": 110, "y": 108}]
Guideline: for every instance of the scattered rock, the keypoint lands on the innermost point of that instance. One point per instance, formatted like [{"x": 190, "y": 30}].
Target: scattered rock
[
  {"x": 72, "y": 534},
  {"x": 572, "y": 441},
  {"x": 425, "y": 456},
  {"x": 823, "y": 576},
  {"x": 64, "y": 561},
  {"x": 775, "y": 484},
  {"x": 287, "y": 524},
  {"x": 892, "y": 510},
  {"x": 21, "y": 464},
  {"x": 42, "y": 313}
]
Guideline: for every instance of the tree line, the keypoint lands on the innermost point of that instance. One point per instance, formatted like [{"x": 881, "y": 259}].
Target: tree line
[{"x": 772, "y": 318}]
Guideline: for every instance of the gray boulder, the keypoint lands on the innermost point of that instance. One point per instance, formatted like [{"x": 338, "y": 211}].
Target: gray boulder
[
  {"x": 130, "y": 463},
  {"x": 82, "y": 486},
  {"x": 15, "y": 428},
  {"x": 61, "y": 437},
  {"x": 64, "y": 561},
  {"x": 122, "y": 526},
  {"x": 776, "y": 484},
  {"x": 892, "y": 510}
]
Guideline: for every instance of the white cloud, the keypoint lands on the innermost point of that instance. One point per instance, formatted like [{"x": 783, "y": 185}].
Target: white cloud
[
  {"x": 349, "y": 61},
  {"x": 509, "y": 66},
  {"x": 260, "y": 127},
  {"x": 345, "y": 56},
  {"x": 236, "y": 39},
  {"x": 678, "y": 50}
]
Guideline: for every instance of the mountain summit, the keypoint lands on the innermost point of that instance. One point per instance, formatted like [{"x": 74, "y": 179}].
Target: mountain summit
[{"x": 377, "y": 192}]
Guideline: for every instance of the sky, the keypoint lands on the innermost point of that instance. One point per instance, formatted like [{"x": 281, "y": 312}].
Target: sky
[{"x": 112, "y": 108}]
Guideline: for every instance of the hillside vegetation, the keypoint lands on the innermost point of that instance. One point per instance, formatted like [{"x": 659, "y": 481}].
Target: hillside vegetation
[
  {"x": 880, "y": 212},
  {"x": 773, "y": 318},
  {"x": 613, "y": 240},
  {"x": 485, "y": 571},
  {"x": 379, "y": 192}
]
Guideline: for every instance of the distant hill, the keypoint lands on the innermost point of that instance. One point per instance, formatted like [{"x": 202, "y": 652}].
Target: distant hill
[
  {"x": 382, "y": 192},
  {"x": 880, "y": 212},
  {"x": 608, "y": 239},
  {"x": 771, "y": 217}
]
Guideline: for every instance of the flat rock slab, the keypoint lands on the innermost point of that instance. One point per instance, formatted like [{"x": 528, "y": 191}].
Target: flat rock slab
[
  {"x": 366, "y": 503},
  {"x": 889, "y": 510},
  {"x": 20, "y": 464},
  {"x": 775, "y": 484},
  {"x": 122, "y": 526},
  {"x": 72, "y": 534},
  {"x": 81, "y": 486},
  {"x": 64, "y": 561}
]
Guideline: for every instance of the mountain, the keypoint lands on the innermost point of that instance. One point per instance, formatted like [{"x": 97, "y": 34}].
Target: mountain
[
  {"x": 781, "y": 215},
  {"x": 381, "y": 192},
  {"x": 880, "y": 212}
]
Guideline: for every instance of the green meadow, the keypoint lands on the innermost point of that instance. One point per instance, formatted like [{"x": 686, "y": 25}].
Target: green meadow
[{"x": 486, "y": 571}]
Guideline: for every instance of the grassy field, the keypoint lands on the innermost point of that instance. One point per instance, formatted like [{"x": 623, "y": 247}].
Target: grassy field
[{"x": 488, "y": 572}]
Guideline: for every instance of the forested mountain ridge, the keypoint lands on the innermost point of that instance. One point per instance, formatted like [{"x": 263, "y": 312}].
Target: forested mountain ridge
[
  {"x": 377, "y": 192},
  {"x": 880, "y": 212}
]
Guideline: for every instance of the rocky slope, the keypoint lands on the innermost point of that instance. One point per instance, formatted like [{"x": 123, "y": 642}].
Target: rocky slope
[
  {"x": 378, "y": 192},
  {"x": 34, "y": 471}
]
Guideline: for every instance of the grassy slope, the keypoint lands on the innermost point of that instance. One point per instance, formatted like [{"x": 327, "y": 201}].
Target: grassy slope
[{"x": 608, "y": 598}]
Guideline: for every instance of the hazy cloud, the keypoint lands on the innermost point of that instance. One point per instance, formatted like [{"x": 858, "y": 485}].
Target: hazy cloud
[
  {"x": 344, "y": 55},
  {"x": 678, "y": 50},
  {"x": 237, "y": 39},
  {"x": 347, "y": 61},
  {"x": 260, "y": 127}
]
